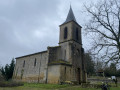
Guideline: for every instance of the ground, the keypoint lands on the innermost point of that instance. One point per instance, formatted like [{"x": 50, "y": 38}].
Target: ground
[{"x": 33, "y": 86}]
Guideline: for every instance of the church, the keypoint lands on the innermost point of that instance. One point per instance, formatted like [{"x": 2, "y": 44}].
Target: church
[{"x": 57, "y": 64}]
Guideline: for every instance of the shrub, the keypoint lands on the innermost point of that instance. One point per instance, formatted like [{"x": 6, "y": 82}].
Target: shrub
[{"x": 10, "y": 84}]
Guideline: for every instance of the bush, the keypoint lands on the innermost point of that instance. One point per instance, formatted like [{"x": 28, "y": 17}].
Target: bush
[
  {"x": 1, "y": 78},
  {"x": 10, "y": 84}
]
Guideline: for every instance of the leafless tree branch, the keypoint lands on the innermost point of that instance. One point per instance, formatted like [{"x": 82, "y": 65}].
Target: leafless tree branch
[{"x": 105, "y": 22}]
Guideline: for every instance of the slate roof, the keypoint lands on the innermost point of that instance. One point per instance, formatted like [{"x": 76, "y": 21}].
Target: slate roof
[
  {"x": 31, "y": 54},
  {"x": 70, "y": 16}
]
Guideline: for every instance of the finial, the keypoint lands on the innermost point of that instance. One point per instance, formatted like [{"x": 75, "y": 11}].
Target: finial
[{"x": 70, "y": 3}]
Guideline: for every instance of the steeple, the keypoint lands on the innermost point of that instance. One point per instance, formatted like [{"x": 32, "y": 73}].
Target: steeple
[
  {"x": 70, "y": 16},
  {"x": 70, "y": 30}
]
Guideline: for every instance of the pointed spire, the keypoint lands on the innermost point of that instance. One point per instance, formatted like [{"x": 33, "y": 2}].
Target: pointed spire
[{"x": 70, "y": 16}]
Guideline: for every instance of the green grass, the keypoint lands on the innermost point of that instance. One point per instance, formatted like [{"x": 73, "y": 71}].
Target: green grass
[
  {"x": 35, "y": 86},
  {"x": 45, "y": 86},
  {"x": 38, "y": 88}
]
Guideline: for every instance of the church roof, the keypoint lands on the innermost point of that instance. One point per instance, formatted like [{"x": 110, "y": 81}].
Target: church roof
[
  {"x": 70, "y": 16},
  {"x": 31, "y": 54}
]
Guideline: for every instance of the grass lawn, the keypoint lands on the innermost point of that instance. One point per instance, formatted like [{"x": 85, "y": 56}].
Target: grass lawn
[{"x": 33, "y": 86}]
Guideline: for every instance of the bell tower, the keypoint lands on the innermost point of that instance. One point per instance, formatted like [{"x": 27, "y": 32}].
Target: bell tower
[
  {"x": 70, "y": 30},
  {"x": 70, "y": 40}
]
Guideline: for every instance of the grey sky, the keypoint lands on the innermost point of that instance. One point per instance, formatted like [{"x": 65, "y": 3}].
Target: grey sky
[{"x": 29, "y": 26}]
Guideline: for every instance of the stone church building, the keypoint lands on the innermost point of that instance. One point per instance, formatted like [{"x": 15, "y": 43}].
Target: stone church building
[{"x": 57, "y": 64}]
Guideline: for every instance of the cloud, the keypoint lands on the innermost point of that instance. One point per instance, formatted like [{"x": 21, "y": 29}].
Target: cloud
[
  {"x": 24, "y": 25},
  {"x": 28, "y": 26}
]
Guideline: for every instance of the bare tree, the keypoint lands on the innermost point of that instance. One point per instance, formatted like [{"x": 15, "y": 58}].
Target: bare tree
[{"x": 104, "y": 27}]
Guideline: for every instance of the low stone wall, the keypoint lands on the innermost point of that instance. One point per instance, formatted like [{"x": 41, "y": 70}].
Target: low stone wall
[{"x": 94, "y": 80}]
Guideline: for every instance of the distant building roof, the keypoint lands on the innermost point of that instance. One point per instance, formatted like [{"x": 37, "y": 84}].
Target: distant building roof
[{"x": 100, "y": 71}]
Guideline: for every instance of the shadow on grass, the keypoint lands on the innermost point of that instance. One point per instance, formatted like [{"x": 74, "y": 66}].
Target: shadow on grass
[{"x": 10, "y": 84}]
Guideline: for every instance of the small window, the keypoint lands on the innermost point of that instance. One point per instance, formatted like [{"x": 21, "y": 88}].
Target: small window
[
  {"x": 78, "y": 51},
  {"x": 65, "y": 70},
  {"x": 65, "y": 55},
  {"x": 82, "y": 50},
  {"x": 77, "y": 37},
  {"x": 24, "y": 63},
  {"x": 35, "y": 62},
  {"x": 65, "y": 33}
]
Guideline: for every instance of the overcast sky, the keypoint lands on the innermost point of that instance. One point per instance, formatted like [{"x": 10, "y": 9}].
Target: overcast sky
[{"x": 29, "y": 26}]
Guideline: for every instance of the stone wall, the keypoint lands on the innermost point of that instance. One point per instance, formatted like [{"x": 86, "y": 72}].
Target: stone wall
[
  {"x": 66, "y": 52},
  {"x": 76, "y": 54},
  {"x": 28, "y": 69},
  {"x": 66, "y": 73},
  {"x": 54, "y": 54},
  {"x": 59, "y": 73},
  {"x": 53, "y": 74}
]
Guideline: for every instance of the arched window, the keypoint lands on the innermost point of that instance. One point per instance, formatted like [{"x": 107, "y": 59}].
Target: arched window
[
  {"x": 65, "y": 32},
  {"x": 35, "y": 62},
  {"x": 77, "y": 37},
  {"x": 65, "y": 70},
  {"x": 65, "y": 55},
  {"x": 24, "y": 63},
  {"x": 82, "y": 50},
  {"x": 70, "y": 71},
  {"x": 78, "y": 52}
]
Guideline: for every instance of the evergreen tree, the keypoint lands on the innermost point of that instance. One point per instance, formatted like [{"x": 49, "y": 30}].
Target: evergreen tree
[
  {"x": 89, "y": 64},
  {"x": 7, "y": 71},
  {"x": 111, "y": 70},
  {"x": 11, "y": 68}
]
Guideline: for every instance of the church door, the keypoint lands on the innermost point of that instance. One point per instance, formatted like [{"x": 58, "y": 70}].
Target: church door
[{"x": 78, "y": 75}]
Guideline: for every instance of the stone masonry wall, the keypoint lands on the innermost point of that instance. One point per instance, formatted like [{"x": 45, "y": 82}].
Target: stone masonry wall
[
  {"x": 66, "y": 73},
  {"x": 54, "y": 53},
  {"x": 54, "y": 74},
  {"x": 29, "y": 70}
]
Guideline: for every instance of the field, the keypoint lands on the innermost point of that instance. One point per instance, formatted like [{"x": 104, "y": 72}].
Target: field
[{"x": 33, "y": 86}]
